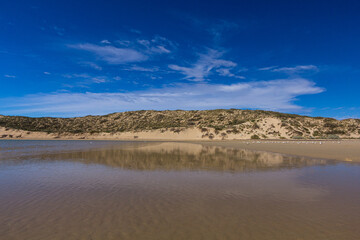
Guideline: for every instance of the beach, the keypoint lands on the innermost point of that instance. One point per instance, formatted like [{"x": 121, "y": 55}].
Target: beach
[
  {"x": 86, "y": 189},
  {"x": 337, "y": 149}
]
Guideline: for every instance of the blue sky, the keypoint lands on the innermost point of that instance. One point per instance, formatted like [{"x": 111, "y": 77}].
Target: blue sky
[{"x": 75, "y": 58}]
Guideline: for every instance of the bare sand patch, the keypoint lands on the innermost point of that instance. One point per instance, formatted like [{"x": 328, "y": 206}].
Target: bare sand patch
[{"x": 343, "y": 150}]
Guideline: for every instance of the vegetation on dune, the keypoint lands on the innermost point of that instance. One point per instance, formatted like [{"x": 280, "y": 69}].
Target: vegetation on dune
[{"x": 220, "y": 122}]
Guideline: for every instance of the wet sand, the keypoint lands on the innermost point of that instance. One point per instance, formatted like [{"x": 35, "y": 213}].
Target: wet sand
[
  {"x": 170, "y": 190},
  {"x": 342, "y": 150}
]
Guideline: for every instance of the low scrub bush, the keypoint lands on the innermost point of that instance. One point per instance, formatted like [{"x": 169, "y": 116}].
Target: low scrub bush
[
  {"x": 332, "y": 136},
  {"x": 255, "y": 136}
]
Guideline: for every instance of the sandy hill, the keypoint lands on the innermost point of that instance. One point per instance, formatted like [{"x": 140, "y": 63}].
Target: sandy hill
[{"x": 179, "y": 124}]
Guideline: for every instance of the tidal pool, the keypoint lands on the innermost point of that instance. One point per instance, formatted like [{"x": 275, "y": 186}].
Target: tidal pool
[{"x": 165, "y": 190}]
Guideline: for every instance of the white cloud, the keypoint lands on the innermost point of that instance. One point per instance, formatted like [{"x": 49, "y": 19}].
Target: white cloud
[
  {"x": 92, "y": 65},
  {"x": 157, "y": 45},
  {"x": 143, "y": 42},
  {"x": 142, "y": 69},
  {"x": 159, "y": 49},
  {"x": 135, "y": 31},
  {"x": 291, "y": 70},
  {"x": 295, "y": 69},
  {"x": 126, "y": 51},
  {"x": 203, "y": 67},
  {"x": 267, "y": 68},
  {"x": 105, "y": 41},
  {"x": 86, "y": 79},
  {"x": 47, "y": 73},
  {"x": 77, "y": 75},
  {"x": 111, "y": 54},
  {"x": 9, "y": 76},
  {"x": 99, "y": 79},
  {"x": 125, "y": 43},
  {"x": 269, "y": 95},
  {"x": 227, "y": 73}
]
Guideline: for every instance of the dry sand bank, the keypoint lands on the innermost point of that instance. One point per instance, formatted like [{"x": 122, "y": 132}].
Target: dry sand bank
[
  {"x": 343, "y": 150},
  {"x": 187, "y": 134}
]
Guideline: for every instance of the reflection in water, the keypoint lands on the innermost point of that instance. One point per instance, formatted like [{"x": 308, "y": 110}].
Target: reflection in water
[
  {"x": 49, "y": 193},
  {"x": 184, "y": 156}
]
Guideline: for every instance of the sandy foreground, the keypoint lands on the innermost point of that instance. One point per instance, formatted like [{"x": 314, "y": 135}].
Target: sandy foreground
[{"x": 343, "y": 150}]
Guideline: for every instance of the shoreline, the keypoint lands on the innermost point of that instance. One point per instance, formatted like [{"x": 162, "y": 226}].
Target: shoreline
[
  {"x": 339, "y": 150},
  {"x": 345, "y": 150},
  {"x": 334, "y": 149}
]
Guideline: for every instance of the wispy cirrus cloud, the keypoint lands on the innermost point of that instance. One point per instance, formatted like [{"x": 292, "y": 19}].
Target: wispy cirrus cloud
[
  {"x": 267, "y": 68},
  {"x": 271, "y": 95},
  {"x": 205, "y": 65},
  {"x": 296, "y": 69},
  {"x": 227, "y": 73},
  {"x": 291, "y": 70},
  {"x": 142, "y": 69},
  {"x": 105, "y": 41},
  {"x": 133, "y": 30},
  {"x": 157, "y": 45},
  {"x": 91, "y": 65},
  {"x": 125, "y": 51},
  {"x": 9, "y": 76},
  {"x": 85, "y": 79},
  {"x": 111, "y": 54}
]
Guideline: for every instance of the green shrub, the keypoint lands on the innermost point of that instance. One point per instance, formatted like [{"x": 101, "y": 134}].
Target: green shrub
[
  {"x": 335, "y": 131},
  {"x": 330, "y": 125},
  {"x": 255, "y": 136},
  {"x": 219, "y": 127},
  {"x": 203, "y": 129},
  {"x": 316, "y": 133},
  {"x": 297, "y": 137},
  {"x": 332, "y": 136},
  {"x": 237, "y": 122}
]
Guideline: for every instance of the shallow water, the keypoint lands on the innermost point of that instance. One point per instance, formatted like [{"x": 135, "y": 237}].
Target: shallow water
[{"x": 137, "y": 190}]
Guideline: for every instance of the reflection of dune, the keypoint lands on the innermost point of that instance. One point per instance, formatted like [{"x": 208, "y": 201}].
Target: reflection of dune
[
  {"x": 189, "y": 148},
  {"x": 183, "y": 156}
]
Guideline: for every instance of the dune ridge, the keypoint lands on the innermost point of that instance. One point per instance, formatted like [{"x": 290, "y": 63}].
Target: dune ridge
[{"x": 220, "y": 124}]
